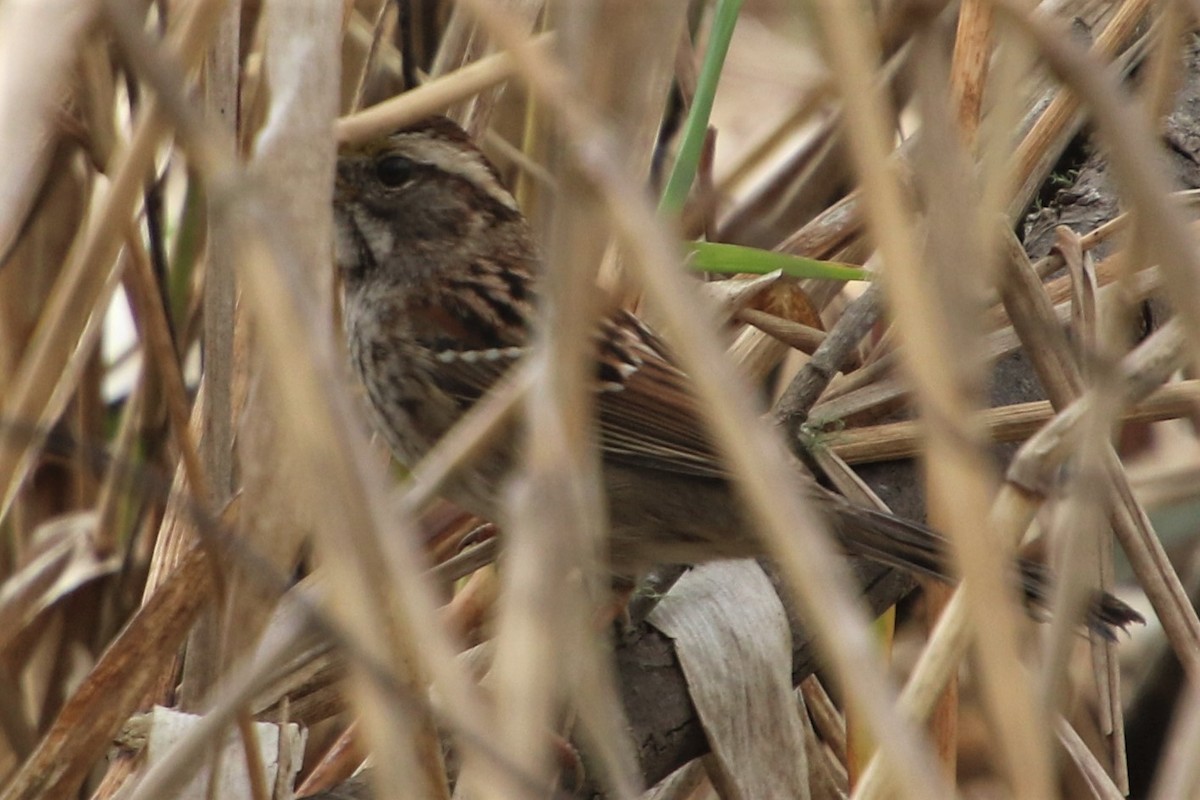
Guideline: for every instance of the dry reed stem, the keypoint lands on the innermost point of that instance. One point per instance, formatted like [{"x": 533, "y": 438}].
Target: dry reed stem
[
  {"x": 815, "y": 573},
  {"x": 88, "y": 268},
  {"x": 826, "y": 717},
  {"x": 452, "y": 50},
  {"x": 868, "y": 396},
  {"x": 155, "y": 331},
  {"x": 968, "y": 77},
  {"x": 90, "y": 719},
  {"x": 1037, "y": 324},
  {"x": 957, "y": 481},
  {"x": 220, "y": 77},
  {"x": 501, "y": 405},
  {"x": 338, "y": 762},
  {"x": 465, "y": 441},
  {"x": 1012, "y": 511},
  {"x": 189, "y": 753},
  {"x": 877, "y": 386},
  {"x": 176, "y": 534},
  {"x": 1114, "y": 119},
  {"x": 969, "y": 69},
  {"x": 1054, "y": 121},
  {"x": 116, "y": 486},
  {"x": 1093, "y": 771},
  {"x": 388, "y": 624},
  {"x": 431, "y": 98},
  {"x": 1134, "y": 163},
  {"x": 556, "y": 516},
  {"x": 221, "y": 80},
  {"x": 808, "y": 106},
  {"x": 355, "y": 97},
  {"x": 1164, "y": 68},
  {"x": 544, "y": 647},
  {"x": 972, "y": 52},
  {"x": 253, "y": 754},
  {"x": 812, "y": 163},
  {"x": 1082, "y": 520},
  {"x": 270, "y": 298},
  {"x": 37, "y": 44},
  {"x": 893, "y": 441},
  {"x": 292, "y": 164},
  {"x": 1144, "y": 368}
]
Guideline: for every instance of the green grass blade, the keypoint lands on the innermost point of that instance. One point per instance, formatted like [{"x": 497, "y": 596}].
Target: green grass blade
[
  {"x": 732, "y": 258},
  {"x": 684, "y": 171}
]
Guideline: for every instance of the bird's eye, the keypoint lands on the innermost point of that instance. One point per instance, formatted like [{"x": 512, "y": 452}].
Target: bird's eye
[{"x": 394, "y": 171}]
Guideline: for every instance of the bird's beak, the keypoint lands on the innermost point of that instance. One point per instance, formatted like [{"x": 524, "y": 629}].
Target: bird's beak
[{"x": 343, "y": 183}]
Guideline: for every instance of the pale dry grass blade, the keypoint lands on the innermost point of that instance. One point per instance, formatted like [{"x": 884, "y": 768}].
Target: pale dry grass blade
[
  {"x": 877, "y": 385},
  {"x": 1098, "y": 779},
  {"x": 221, "y": 92},
  {"x": 188, "y": 752},
  {"x": 940, "y": 642},
  {"x": 557, "y": 519},
  {"x": 292, "y": 164},
  {"x": 1144, "y": 368},
  {"x": 972, "y": 54},
  {"x": 91, "y": 718},
  {"x": 215, "y": 416},
  {"x": 546, "y": 652},
  {"x": 826, "y": 719},
  {"x": 796, "y": 405},
  {"x": 1164, "y": 69},
  {"x": 54, "y": 390},
  {"x": 1053, "y": 361},
  {"x": 369, "y": 655},
  {"x": 1082, "y": 521},
  {"x": 817, "y": 577},
  {"x": 1044, "y": 142},
  {"x": 466, "y": 440},
  {"x": 530, "y": 16},
  {"x": 37, "y": 44},
  {"x": 89, "y": 267},
  {"x": 431, "y": 98},
  {"x": 1012, "y": 511},
  {"x": 452, "y": 51},
  {"x": 117, "y": 487},
  {"x": 385, "y": 570},
  {"x": 607, "y": 41},
  {"x": 40, "y": 252},
  {"x": 144, "y": 293},
  {"x": 1138, "y": 171},
  {"x": 890, "y": 441},
  {"x": 938, "y": 662},
  {"x": 66, "y": 562},
  {"x": 339, "y": 493},
  {"x": 958, "y": 480},
  {"x": 204, "y": 661},
  {"x": 356, "y": 70}
]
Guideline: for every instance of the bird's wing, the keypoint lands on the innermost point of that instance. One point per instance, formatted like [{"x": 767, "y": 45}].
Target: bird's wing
[
  {"x": 647, "y": 414},
  {"x": 647, "y": 410},
  {"x": 474, "y": 327}
]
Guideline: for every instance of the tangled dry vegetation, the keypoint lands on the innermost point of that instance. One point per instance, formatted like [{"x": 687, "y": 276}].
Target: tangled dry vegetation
[{"x": 207, "y": 567}]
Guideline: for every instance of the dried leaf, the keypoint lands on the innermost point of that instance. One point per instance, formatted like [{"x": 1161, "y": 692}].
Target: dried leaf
[{"x": 735, "y": 647}]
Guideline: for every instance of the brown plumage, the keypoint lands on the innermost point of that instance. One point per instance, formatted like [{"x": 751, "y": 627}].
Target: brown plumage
[{"x": 438, "y": 265}]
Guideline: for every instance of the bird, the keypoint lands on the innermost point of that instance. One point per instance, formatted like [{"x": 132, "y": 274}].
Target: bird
[{"x": 439, "y": 268}]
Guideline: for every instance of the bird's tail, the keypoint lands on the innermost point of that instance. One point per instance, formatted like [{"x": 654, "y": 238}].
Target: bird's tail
[{"x": 914, "y": 548}]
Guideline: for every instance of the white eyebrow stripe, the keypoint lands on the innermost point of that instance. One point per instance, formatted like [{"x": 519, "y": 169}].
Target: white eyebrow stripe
[{"x": 454, "y": 159}]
